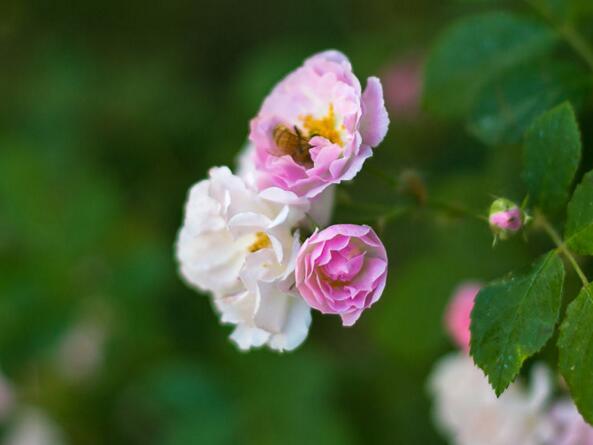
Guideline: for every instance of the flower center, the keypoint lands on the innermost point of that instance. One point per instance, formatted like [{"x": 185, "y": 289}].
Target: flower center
[
  {"x": 262, "y": 241},
  {"x": 324, "y": 126},
  {"x": 343, "y": 266}
]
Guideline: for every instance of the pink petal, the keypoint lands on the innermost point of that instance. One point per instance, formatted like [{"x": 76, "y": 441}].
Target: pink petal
[{"x": 375, "y": 120}]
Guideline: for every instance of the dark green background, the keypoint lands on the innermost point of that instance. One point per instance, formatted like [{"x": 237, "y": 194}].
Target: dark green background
[{"x": 109, "y": 112}]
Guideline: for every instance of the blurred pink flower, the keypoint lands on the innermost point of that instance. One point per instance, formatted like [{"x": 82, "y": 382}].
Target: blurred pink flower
[
  {"x": 403, "y": 87},
  {"x": 317, "y": 127},
  {"x": 342, "y": 270},
  {"x": 457, "y": 316}
]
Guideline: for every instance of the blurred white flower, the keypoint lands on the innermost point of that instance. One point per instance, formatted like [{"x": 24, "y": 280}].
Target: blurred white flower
[
  {"x": 468, "y": 411},
  {"x": 569, "y": 428},
  {"x": 80, "y": 351},
  {"x": 240, "y": 245},
  {"x": 33, "y": 427}
]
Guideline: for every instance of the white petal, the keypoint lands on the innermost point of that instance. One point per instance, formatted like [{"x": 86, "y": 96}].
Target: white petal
[
  {"x": 285, "y": 316},
  {"x": 248, "y": 222},
  {"x": 283, "y": 197},
  {"x": 296, "y": 328},
  {"x": 238, "y": 307},
  {"x": 247, "y": 337}
]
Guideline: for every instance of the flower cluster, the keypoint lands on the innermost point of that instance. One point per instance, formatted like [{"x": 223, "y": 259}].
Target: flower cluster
[
  {"x": 467, "y": 410},
  {"x": 243, "y": 238}
]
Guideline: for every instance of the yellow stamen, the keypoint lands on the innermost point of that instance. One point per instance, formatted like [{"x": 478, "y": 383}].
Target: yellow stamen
[
  {"x": 261, "y": 242},
  {"x": 325, "y": 126}
]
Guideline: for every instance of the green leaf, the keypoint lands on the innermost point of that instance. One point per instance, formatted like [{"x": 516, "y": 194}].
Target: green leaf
[
  {"x": 576, "y": 351},
  {"x": 514, "y": 317},
  {"x": 507, "y": 105},
  {"x": 579, "y": 224},
  {"x": 551, "y": 157},
  {"x": 474, "y": 51}
]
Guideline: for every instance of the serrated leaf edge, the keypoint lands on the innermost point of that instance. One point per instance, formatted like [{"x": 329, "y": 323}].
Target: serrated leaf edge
[{"x": 499, "y": 390}]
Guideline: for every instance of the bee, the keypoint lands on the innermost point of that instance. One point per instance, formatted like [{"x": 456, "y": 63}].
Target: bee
[{"x": 292, "y": 143}]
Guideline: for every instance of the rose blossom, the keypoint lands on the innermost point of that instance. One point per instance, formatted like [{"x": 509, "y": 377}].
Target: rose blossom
[
  {"x": 239, "y": 245},
  {"x": 457, "y": 316},
  {"x": 342, "y": 270},
  {"x": 317, "y": 127}
]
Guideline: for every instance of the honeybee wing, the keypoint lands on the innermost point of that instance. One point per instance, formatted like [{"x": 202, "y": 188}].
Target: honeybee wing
[{"x": 286, "y": 141}]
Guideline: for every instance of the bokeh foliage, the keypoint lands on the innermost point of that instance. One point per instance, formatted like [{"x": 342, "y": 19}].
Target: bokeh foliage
[{"x": 110, "y": 111}]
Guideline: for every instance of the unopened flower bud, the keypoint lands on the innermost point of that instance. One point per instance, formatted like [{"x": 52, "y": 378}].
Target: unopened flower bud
[{"x": 505, "y": 218}]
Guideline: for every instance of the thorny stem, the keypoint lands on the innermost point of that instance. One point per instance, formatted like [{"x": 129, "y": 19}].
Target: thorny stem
[
  {"x": 394, "y": 212},
  {"x": 383, "y": 214},
  {"x": 567, "y": 31},
  {"x": 541, "y": 220},
  {"x": 391, "y": 213}
]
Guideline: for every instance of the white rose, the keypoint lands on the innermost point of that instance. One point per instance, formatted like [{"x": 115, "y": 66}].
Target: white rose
[{"x": 240, "y": 246}]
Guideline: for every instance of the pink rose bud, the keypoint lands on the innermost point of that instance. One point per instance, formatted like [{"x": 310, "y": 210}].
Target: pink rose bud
[
  {"x": 458, "y": 314},
  {"x": 342, "y": 270},
  {"x": 506, "y": 218},
  {"x": 317, "y": 126}
]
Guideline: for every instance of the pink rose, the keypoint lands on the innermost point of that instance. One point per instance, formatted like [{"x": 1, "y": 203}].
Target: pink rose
[
  {"x": 316, "y": 128},
  {"x": 457, "y": 316},
  {"x": 342, "y": 270}
]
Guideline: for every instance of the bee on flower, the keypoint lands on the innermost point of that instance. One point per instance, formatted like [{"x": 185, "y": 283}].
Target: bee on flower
[{"x": 241, "y": 236}]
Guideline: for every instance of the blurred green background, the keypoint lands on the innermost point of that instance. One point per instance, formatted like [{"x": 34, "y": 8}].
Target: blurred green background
[{"x": 109, "y": 112}]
